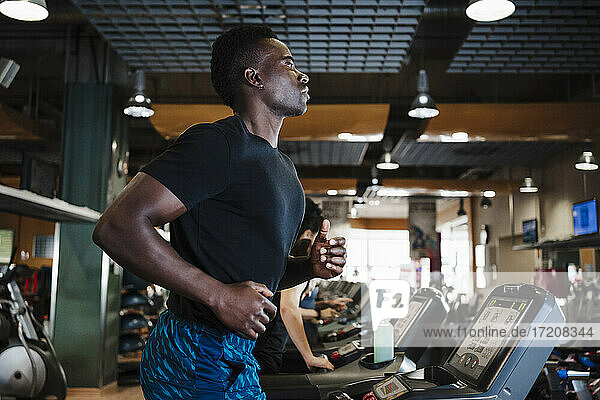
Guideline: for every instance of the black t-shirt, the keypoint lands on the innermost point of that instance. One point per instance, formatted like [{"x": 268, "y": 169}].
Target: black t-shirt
[{"x": 244, "y": 206}]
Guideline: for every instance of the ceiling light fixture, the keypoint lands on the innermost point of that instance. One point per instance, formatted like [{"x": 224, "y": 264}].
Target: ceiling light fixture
[
  {"x": 489, "y": 193},
  {"x": 332, "y": 192},
  {"x": 139, "y": 105},
  {"x": 461, "y": 208},
  {"x": 423, "y": 105},
  {"x": 489, "y": 10},
  {"x": 387, "y": 163},
  {"x": 8, "y": 71},
  {"x": 252, "y": 6},
  {"x": 350, "y": 137},
  {"x": 24, "y": 10},
  {"x": 392, "y": 192},
  {"x": 460, "y": 136},
  {"x": 485, "y": 203},
  {"x": 586, "y": 162},
  {"x": 454, "y": 193},
  {"x": 352, "y": 192},
  {"x": 528, "y": 186}
]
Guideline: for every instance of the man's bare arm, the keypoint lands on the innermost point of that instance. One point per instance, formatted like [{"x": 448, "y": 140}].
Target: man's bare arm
[{"x": 126, "y": 233}]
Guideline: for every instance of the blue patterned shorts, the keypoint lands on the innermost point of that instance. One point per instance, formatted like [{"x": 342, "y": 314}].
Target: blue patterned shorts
[{"x": 186, "y": 360}]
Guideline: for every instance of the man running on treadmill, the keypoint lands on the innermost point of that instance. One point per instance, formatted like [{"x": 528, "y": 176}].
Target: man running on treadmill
[{"x": 235, "y": 203}]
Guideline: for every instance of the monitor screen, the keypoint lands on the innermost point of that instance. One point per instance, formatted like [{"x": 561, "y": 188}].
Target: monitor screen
[
  {"x": 585, "y": 218},
  {"x": 477, "y": 352},
  {"x": 6, "y": 245},
  {"x": 530, "y": 233}
]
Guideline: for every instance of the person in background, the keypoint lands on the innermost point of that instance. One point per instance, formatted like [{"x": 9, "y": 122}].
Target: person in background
[{"x": 289, "y": 321}]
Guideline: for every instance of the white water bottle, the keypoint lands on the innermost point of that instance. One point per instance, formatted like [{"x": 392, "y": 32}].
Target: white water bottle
[{"x": 384, "y": 342}]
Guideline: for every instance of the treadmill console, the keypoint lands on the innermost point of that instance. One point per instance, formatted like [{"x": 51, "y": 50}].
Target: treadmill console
[
  {"x": 345, "y": 354},
  {"x": 415, "y": 307},
  {"x": 427, "y": 306},
  {"x": 474, "y": 354},
  {"x": 485, "y": 364}
]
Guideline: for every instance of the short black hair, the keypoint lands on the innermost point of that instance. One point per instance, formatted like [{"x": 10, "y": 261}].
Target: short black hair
[
  {"x": 234, "y": 51},
  {"x": 312, "y": 218}
]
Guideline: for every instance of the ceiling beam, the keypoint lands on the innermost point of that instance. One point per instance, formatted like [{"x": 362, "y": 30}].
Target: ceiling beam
[
  {"x": 320, "y": 122},
  {"x": 518, "y": 121},
  {"x": 395, "y": 224},
  {"x": 430, "y": 187},
  {"x": 322, "y": 185},
  {"x": 474, "y": 187}
]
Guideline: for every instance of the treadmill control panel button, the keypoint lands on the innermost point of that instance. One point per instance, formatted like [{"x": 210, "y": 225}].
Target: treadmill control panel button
[{"x": 389, "y": 388}]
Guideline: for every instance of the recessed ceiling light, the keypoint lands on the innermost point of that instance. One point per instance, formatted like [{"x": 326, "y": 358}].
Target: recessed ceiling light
[
  {"x": 350, "y": 137},
  {"x": 454, "y": 193},
  {"x": 352, "y": 192},
  {"x": 489, "y": 193},
  {"x": 252, "y": 6},
  {"x": 332, "y": 192},
  {"x": 392, "y": 192},
  {"x": 460, "y": 136}
]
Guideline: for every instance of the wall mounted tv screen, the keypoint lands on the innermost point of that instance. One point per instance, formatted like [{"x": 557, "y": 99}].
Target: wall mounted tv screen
[
  {"x": 585, "y": 217},
  {"x": 7, "y": 238},
  {"x": 530, "y": 231}
]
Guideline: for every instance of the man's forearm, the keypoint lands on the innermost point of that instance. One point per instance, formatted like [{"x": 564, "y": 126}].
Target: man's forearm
[
  {"x": 138, "y": 247},
  {"x": 308, "y": 314},
  {"x": 297, "y": 271}
]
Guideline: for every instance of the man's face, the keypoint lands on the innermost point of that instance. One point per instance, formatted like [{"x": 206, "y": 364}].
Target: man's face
[{"x": 286, "y": 90}]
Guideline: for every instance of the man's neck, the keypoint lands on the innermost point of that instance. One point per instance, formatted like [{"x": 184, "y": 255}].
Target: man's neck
[{"x": 262, "y": 123}]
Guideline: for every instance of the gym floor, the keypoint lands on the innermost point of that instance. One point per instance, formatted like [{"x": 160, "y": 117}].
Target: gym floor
[{"x": 112, "y": 393}]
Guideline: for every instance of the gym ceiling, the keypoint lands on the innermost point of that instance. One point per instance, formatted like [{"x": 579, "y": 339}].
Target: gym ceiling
[{"x": 524, "y": 88}]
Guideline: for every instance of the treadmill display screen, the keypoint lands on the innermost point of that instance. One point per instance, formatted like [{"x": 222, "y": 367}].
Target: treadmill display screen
[
  {"x": 484, "y": 341},
  {"x": 347, "y": 349},
  {"x": 389, "y": 388},
  {"x": 401, "y": 324}
]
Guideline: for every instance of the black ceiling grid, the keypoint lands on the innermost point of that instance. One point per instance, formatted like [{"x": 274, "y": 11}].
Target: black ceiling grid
[
  {"x": 487, "y": 154},
  {"x": 542, "y": 36},
  {"x": 324, "y": 35},
  {"x": 324, "y": 153}
]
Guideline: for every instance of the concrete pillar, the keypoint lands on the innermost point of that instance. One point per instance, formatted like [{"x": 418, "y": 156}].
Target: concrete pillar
[{"x": 88, "y": 288}]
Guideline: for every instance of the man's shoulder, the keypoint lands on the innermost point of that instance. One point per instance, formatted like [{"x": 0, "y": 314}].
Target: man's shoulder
[{"x": 225, "y": 125}]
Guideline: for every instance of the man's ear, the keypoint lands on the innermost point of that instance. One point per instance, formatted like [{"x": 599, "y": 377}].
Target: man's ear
[{"x": 252, "y": 77}]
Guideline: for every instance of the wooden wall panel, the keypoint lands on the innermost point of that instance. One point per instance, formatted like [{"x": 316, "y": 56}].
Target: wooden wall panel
[{"x": 379, "y": 223}]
